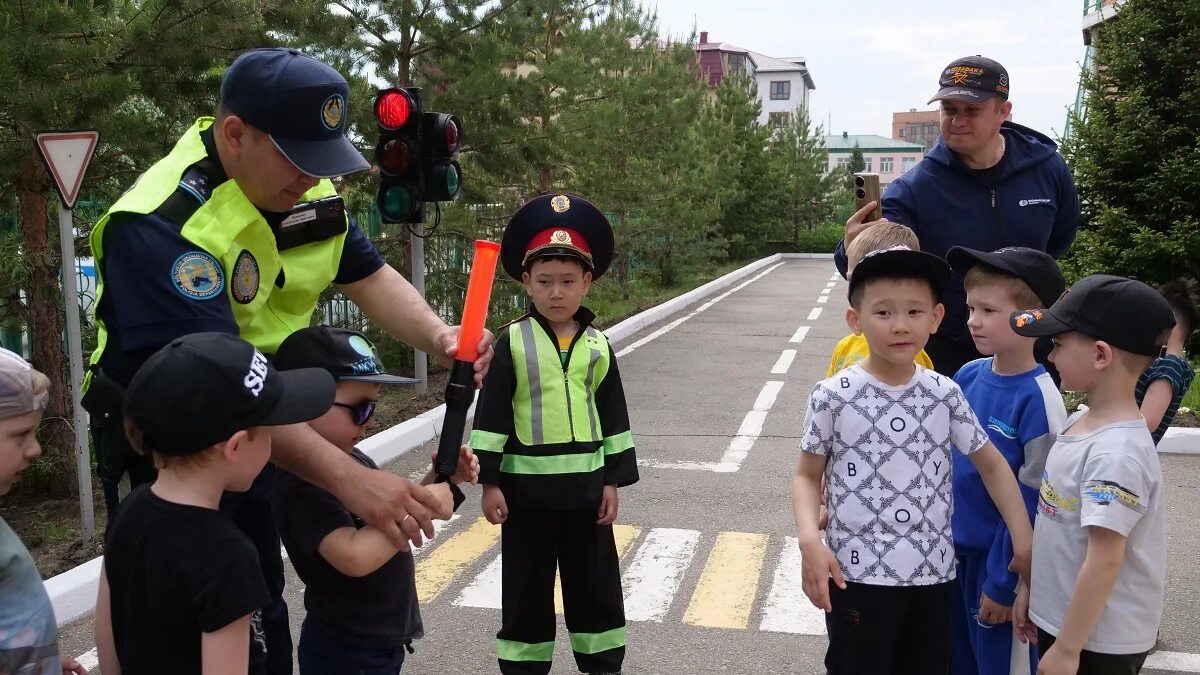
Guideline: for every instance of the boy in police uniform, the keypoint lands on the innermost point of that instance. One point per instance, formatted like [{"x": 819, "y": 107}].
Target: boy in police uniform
[{"x": 552, "y": 436}]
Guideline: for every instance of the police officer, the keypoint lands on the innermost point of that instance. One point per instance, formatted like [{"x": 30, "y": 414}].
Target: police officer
[{"x": 238, "y": 229}]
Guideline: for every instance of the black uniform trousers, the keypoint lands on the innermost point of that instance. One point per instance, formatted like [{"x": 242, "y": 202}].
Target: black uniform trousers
[
  {"x": 889, "y": 630},
  {"x": 534, "y": 542}
]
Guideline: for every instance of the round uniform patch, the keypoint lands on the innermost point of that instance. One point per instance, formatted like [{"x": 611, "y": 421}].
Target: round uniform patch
[
  {"x": 244, "y": 284},
  {"x": 360, "y": 345},
  {"x": 332, "y": 111},
  {"x": 197, "y": 275}
]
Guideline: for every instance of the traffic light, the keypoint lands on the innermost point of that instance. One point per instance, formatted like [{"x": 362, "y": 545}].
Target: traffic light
[
  {"x": 441, "y": 135},
  {"x": 401, "y": 193}
]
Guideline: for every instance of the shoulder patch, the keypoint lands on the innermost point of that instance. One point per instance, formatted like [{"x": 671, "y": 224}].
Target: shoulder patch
[
  {"x": 244, "y": 284},
  {"x": 197, "y": 275}
]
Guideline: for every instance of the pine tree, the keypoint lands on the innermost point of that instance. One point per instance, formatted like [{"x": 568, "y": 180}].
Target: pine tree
[
  {"x": 1135, "y": 156},
  {"x": 799, "y": 159}
]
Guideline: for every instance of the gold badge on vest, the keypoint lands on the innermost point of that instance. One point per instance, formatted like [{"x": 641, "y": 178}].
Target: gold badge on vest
[{"x": 244, "y": 284}]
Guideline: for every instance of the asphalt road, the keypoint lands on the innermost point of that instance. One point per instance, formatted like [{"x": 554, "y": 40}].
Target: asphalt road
[{"x": 709, "y": 556}]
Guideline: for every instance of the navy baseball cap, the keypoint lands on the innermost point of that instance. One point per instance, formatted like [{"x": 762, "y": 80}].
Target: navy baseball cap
[
  {"x": 345, "y": 354},
  {"x": 1125, "y": 313},
  {"x": 1036, "y": 268},
  {"x": 301, "y": 103},
  {"x": 973, "y": 79},
  {"x": 203, "y": 388}
]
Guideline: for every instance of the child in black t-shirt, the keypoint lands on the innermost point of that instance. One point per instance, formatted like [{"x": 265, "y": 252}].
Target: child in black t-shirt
[
  {"x": 360, "y": 590},
  {"x": 180, "y": 582}
]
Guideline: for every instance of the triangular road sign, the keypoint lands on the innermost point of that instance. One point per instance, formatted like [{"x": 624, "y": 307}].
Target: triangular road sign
[{"x": 67, "y": 154}]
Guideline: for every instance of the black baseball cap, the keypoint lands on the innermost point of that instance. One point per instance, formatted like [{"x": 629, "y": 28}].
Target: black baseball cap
[
  {"x": 972, "y": 78},
  {"x": 900, "y": 261},
  {"x": 1125, "y": 313},
  {"x": 343, "y": 353},
  {"x": 300, "y": 102},
  {"x": 203, "y": 388},
  {"x": 1036, "y": 268}
]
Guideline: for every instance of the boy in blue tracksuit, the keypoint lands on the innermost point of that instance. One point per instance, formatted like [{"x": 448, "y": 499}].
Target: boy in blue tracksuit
[{"x": 1017, "y": 402}]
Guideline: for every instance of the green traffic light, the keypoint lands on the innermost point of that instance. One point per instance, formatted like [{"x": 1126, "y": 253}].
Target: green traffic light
[
  {"x": 451, "y": 180},
  {"x": 397, "y": 202}
]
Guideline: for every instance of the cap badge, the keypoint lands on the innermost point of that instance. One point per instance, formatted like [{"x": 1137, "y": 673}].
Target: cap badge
[
  {"x": 561, "y": 237},
  {"x": 244, "y": 285},
  {"x": 332, "y": 111},
  {"x": 360, "y": 345},
  {"x": 1026, "y": 318},
  {"x": 561, "y": 204},
  {"x": 197, "y": 275},
  {"x": 958, "y": 78}
]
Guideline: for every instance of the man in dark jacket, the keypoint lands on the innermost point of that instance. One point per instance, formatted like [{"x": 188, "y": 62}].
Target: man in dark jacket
[{"x": 986, "y": 185}]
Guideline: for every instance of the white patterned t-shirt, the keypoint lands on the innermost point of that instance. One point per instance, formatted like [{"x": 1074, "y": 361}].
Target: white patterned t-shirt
[{"x": 887, "y": 472}]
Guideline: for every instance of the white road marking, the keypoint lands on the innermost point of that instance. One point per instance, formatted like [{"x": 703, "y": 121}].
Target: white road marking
[
  {"x": 768, "y": 394},
  {"x": 90, "y": 660},
  {"x": 701, "y": 308},
  {"x": 825, "y": 291},
  {"x": 441, "y": 528},
  {"x": 835, "y": 276},
  {"x": 785, "y": 361},
  {"x": 1179, "y": 661},
  {"x": 823, "y": 298},
  {"x": 799, "y": 335},
  {"x": 657, "y": 569},
  {"x": 814, "y": 314},
  {"x": 788, "y": 610},
  {"x": 831, "y": 284},
  {"x": 484, "y": 590}
]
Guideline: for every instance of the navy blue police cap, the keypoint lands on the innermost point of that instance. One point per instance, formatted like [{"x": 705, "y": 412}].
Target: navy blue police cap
[
  {"x": 556, "y": 225},
  {"x": 301, "y": 103}
]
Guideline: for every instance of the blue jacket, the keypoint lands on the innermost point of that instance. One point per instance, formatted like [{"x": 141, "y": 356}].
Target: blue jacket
[{"x": 946, "y": 204}]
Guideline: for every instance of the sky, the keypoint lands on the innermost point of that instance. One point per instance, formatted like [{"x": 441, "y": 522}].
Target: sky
[{"x": 870, "y": 58}]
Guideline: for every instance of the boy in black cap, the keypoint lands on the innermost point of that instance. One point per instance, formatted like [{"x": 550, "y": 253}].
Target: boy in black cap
[
  {"x": 1023, "y": 413},
  {"x": 180, "y": 582},
  {"x": 1100, "y": 535},
  {"x": 552, "y": 432},
  {"x": 881, "y": 432},
  {"x": 360, "y": 590}
]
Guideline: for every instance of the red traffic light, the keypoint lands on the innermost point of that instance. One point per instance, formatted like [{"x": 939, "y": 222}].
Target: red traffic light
[
  {"x": 451, "y": 136},
  {"x": 393, "y": 107}
]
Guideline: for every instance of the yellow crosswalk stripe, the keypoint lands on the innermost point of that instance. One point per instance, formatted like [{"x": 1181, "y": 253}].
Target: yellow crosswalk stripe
[
  {"x": 624, "y": 535},
  {"x": 725, "y": 594},
  {"x": 438, "y": 568}
]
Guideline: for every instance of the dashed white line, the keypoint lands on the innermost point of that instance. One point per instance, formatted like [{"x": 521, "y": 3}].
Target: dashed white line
[
  {"x": 814, "y": 314},
  {"x": 785, "y": 361},
  {"x": 825, "y": 291},
  {"x": 90, "y": 660},
  {"x": 823, "y": 298},
  {"x": 799, "y": 335},
  {"x": 766, "y": 397},
  {"x": 831, "y": 284},
  {"x": 788, "y": 610},
  {"x": 835, "y": 276},
  {"x": 656, "y": 571},
  {"x": 701, "y": 308}
]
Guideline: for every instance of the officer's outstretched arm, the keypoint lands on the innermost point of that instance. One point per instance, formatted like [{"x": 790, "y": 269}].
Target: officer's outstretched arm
[{"x": 390, "y": 301}]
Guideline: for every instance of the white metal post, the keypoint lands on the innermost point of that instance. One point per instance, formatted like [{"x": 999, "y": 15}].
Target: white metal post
[
  {"x": 83, "y": 461},
  {"x": 417, "y": 248}
]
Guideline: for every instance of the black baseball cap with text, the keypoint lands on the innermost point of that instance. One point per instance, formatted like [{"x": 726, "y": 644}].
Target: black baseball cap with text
[
  {"x": 300, "y": 102},
  {"x": 1036, "y": 268},
  {"x": 343, "y": 353},
  {"x": 900, "y": 261},
  {"x": 973, "y": 79},
  {"x": 203, "y": 388},
  {"x": 1125, "y": 313}
]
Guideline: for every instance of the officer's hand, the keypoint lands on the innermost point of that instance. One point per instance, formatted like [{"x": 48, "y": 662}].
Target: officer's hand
[
  {"x": 449, "y": 341},
  {"x": 495, "y": 508},
  {"x": 855, "y": 226},
  {"x": 400, "y": 508}
]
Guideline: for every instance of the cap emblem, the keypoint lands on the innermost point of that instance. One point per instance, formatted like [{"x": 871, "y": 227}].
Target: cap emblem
[
  {"x": 1026, "y": 318},
  {"x": 561, "y": 237},
  {"x": 561, "y": 204},
  {"x": 332, "y": 111}
]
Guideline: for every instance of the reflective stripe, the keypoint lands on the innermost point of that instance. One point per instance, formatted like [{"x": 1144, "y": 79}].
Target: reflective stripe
[
  {"x": 510, "y": 650},
  {"x": 552, "y": 464},
  {"x": 590, "y": 394},
  {"x": 619, "y": 443},
  {"x": 533, "y": 372},
  {"x": 487, "y": 440},
  {"x": 594, "y": 643}
]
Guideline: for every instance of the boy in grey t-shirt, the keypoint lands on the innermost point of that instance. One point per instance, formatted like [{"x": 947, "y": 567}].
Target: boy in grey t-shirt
[{"x": 1100, "y": 535}]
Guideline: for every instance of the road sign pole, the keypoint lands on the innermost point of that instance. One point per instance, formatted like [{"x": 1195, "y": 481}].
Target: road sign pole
[
  {"x": 83, "y": 460},
  {"x": 417, "y": 248}
]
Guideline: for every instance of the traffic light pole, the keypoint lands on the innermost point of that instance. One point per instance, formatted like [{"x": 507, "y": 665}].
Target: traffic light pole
[{"x": 417, "y": 249}]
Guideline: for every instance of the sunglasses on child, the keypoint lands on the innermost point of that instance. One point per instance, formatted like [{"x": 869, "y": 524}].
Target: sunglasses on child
[{"x": 361, "y": 412}]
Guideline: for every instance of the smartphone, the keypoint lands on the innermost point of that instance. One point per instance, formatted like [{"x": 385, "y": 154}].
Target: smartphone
[{"x": 866, "y": 189}]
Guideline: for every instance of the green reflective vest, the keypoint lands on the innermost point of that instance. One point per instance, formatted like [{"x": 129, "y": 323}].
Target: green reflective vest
[
  {"x": 539, "y": 415},
  {"x": 232, "y": 230}
]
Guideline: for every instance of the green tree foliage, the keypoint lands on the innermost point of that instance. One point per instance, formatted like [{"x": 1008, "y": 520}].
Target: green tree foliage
[
  {"x": 1135, "y": 155},
  {"x": 805, "y": 193}
]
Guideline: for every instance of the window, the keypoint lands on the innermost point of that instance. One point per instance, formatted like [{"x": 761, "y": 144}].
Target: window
[
  {"x": 778, "y": 119},
  {"x": 885, "y": 164},
  {"x": 781, "y": 91},
  {"x": 907, "y": 163},
  {"x": 868, "y": 168},
  {"x": 843, "y": 161},
  {"x": 737, "y": 63}
]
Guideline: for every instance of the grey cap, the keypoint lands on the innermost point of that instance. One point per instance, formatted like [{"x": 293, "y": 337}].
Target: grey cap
[{"x": 16, "y": 387}]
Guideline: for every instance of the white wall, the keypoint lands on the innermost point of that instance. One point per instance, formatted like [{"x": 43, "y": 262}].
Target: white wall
[{"x": 798, "y": 99}]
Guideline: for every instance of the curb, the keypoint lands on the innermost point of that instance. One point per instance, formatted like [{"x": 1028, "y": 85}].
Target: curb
[
  {"x": 1180, "y": 441},
  {"x": 73, "y": 593}
]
